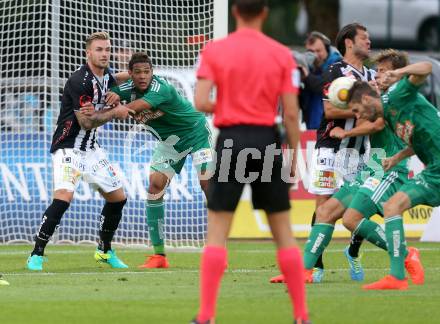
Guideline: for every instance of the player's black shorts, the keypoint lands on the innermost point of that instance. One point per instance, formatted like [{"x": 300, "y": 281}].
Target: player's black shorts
[{"x": 268, "y": 193}]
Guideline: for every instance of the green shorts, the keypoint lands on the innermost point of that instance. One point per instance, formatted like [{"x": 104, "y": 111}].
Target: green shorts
[
  {"x": 349, "y": 189},
  {"x": 371, "y": 195},
  {"x": 346, "y": 193},
  {"x": 170, "y": 155},
  {"x": 424, "y": 188}
]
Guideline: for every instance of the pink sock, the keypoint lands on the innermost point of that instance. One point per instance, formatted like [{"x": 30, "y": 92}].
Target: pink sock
[
  {"x": 212, "y": 268},
  {"x": 292, "y": 267}
]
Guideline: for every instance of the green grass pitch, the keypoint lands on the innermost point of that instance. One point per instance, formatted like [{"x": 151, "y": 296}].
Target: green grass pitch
[{"x": 75, "y": 289}]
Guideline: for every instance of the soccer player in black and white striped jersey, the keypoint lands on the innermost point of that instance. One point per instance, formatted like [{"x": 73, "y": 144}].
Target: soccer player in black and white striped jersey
[
  {"x": 76, "y": 153},
  {"x": 353, "y": 43},
  {"x": 332, "y": 159}
]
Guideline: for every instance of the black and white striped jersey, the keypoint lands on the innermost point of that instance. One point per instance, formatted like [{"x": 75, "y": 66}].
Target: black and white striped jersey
[
  {"x": 359, "y": 143},
  {"x": 81, "y": 88}
]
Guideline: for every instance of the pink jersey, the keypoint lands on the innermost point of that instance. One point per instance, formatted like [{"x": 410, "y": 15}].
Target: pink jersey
[{"x": 250, "y": 71}]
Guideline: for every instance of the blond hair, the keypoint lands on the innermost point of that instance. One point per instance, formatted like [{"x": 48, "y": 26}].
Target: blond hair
[
  {"x": 96, "y": 36},
  {"x": 398, "y": 59}
]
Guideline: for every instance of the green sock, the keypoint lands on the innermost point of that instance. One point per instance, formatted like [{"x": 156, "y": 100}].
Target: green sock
[
  {"x": 396, "y": 245},
  {"x": 319, "y": 238},
  {"x": 155, "y": 221},
  {"x": 372, "y": 232}
]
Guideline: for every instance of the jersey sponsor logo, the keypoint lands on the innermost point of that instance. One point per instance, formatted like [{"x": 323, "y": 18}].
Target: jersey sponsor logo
[
  {"x": 371, "y": 183},
  {"x": 101, "y": 164},
  {"x": 405, "y": 131},
  {"x": 111, "y": 171},
  {"x": 326, "y": 161},
  {"x": 202, "y": 156},
  {"x": 145, "y": 116},
  {"x": 325, "y": 180},
  {"x": 70, "y": 175}
]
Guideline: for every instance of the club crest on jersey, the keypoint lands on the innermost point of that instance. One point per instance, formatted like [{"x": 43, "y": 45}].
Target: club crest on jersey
[
  {"x": 84, "y": 100},
  {"x": 405, "y": 131}
]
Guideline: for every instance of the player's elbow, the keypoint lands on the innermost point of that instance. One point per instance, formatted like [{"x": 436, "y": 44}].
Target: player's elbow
[
  {"x": 290, "y": 116},
  {"x": 203, "y": 104},
  {"x": 329, "y": 113},
  {"x": 427, "y": 67},
  {"x": 378, "y": 126}
]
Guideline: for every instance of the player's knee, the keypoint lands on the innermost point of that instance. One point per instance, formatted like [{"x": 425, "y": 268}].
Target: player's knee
[
  {"x": 349, "y": 221},
  {"x": 327, "y": 213},
  {"x": 56, "y": 210},
  {"x": 111, "y": 215},
  {"x": 64, "y": 195},
  {"x": 322, "y": 214},
  {"x": 157, "y": 184},
  {"x": 393, "y": 207},
  {"x": 114, "y": 208}
]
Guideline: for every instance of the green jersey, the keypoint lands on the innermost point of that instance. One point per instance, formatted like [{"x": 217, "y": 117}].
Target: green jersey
[
  {"x": 414, "y": 120},
  {"x": 170, "y": 113},
  {"x": 385, "y": 144}
]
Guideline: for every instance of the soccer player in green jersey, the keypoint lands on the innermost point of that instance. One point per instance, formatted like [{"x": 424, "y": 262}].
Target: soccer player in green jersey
[
  {"x": 362, "y": 197},
  {"x": 365, "y": 196},
  {"x": 417, "y": 123},
  {"x": 181, "y": 131}
]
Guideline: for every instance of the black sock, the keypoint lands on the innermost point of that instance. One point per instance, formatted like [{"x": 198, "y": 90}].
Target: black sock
[
  {"x": 355, "y": 245},
  {"x": 49, "y": 223},
  {"x": 110, "y": 217},
  {"x": 318, "y": 263}
]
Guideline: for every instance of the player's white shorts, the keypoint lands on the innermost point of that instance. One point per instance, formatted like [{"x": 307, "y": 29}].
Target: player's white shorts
[
  {"x": 72, "y": 165},
  {"x": 329, "y": 170}
]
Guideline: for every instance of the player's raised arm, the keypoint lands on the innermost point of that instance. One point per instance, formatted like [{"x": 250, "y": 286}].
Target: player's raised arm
[
  {"x": 138, "y": 105},
  {"x": 332, "y": 112},
  {"x": 364, "y": 127},
  {"x": 396, "y": 158},
  {"x": 417, "y": 72}
]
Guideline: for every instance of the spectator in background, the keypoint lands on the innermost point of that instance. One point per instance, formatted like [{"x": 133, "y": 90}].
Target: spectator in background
[{"x": 324, "y": 55}]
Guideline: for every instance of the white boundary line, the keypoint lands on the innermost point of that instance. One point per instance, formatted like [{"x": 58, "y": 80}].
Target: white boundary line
[
  {"x": 167, "y": 272},
  {"x": 131, "y": 250}
]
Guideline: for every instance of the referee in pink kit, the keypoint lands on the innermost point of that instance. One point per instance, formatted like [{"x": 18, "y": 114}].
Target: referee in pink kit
[{"x": 251, "y": 72}]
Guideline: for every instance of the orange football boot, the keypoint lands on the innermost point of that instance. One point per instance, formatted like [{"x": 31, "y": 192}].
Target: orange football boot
[
  {"x": 155, "y": 261},
  {"x": 386, "y": 283}
]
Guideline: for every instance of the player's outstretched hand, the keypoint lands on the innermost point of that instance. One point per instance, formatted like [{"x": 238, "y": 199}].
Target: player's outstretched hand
[
  {"x": 374, "y": 85},
  {"x": 112, "y": 99},
  {"x": 121, "y": 112},
  {"x": 88, "y": 109},
  {"x": 337, "y": 132},
  {"x": 391, "y": 77},
  {"x": 389, "y": 163}
]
